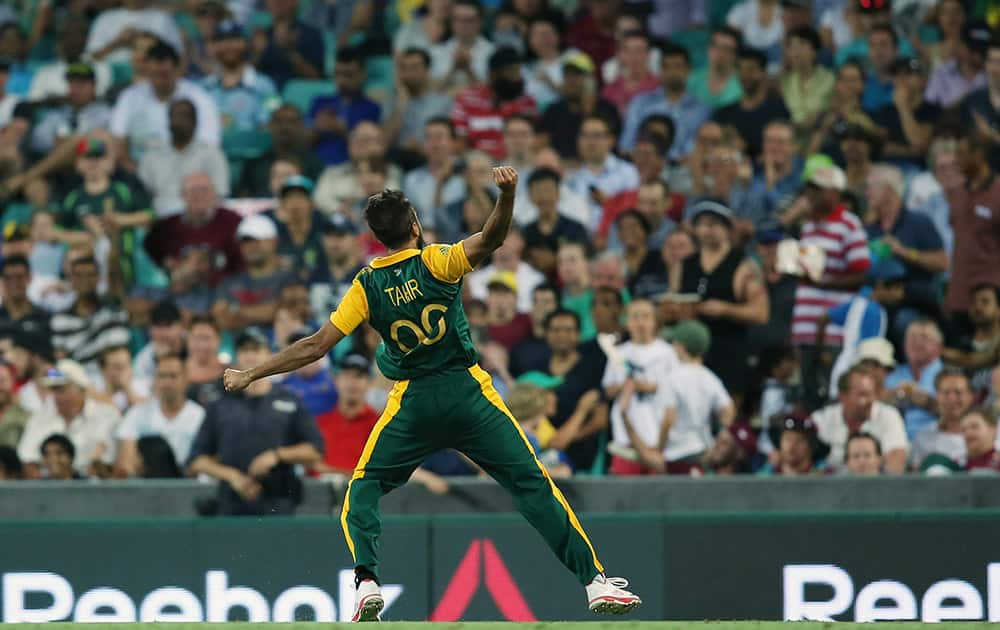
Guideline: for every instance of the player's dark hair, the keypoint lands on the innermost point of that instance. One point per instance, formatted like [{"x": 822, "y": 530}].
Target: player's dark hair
[
  {"x": 390, "y": 215},
  {"x": 60, "y": 440},
  {"x": 562, "y": 312}
]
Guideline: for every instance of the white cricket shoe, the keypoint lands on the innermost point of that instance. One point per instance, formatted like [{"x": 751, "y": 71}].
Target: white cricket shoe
[
  {"x": 368, "y": 602},
  {"x": 608, "y": 596}
]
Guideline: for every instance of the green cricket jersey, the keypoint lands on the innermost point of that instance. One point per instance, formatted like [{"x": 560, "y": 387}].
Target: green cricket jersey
[{"x": 413, "y": 298}]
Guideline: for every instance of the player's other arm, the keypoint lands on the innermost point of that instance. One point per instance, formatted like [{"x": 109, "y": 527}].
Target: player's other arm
[{"x": 481, "y": 244}]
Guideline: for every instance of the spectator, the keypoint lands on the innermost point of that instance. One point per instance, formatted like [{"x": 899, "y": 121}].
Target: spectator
[
  {"x": 847, "y": 262},
  {"x": 543, "y": 77},
  {"x": 909, "y": 119},
  {"x": 950, "y": 17},
  {"x": 757, "y": 106},
  {"x": 807, "y": 86},
  {"x": 863, "y": 456},
  {"x": 645, "y": 365},
  {"x": 883, "y": 45},
  {"x": 507, "y": 327},
  {"x": 343, "y": 261},
  {"x": 335, "y": 117},
  {"x": 717, "y": 85},
  {"x": 16, "y": 310},
  {"x": 11, "y": 468},
  {"x": 115, "y": 382},
  {"x": 654, "y": 201},
  {"x": 845, "y": 107},
  {"x": 170, "y": 415},
  {"x": 312, "y": 383},
  {"x": 859, "y": 149},
  {"x": 953, "y": 80},
  {"x": 251, "y": 442},
  {"x": 468, "y": 214},
  {"x": 574, "y": 277},
  {"x": 425, "y": 29},
  {"x": 520, "y": 146},
  {"x": 13, "y": 417},
  {"x": 954, "y": 397},
  {"x": 780, "y": 295},
  {"x": 642, "y": 266},
  {"x": 531, "y": 404},
  {"x": 115, "y": 29},
  {"x": 58, "y": 455},
  {"x": 208, "y": 16},
  {"x": 91, "y": 324},
  {"x": 164, "y": 168},
  {"x": 479, "y": 112},
  {"x": 858, "y": 410},
  {"x": 140, "y": 120},
  {"x": 732, "y": 453},
  {"x": 980, "y": 351},
  {"x": 974, "y": 201},
  {"x": 567, "y": 202},
  {"x": 912, "y": 384},
  {"x": 88, "y": 424},
  {"x": 777, "y": 366},
  {"x": 507, "y": 259},
  {"x": 166, "y": 331},
  {"x": 250, "y": 298},
  {"x": 635, "y": 76},
  {"x": 462, "y": 60},
  {"x": 32, "y": 355},
  {"x": 674, "y": 99},
  {"x": 289, "y": 142},
  {"x": 243, "y": 95},
  {"x": 439, "y": 182},
  {"x": 14, "y": 48},
  {"x": 925, "y": 195},
  {"x": 602, "y": 174},
  {"x": 731, "y": 295},
  {"x": 204, "y": 223},
  {"x": 800, "y": 449},
  {"x": 339, "y": 187},
  {"x": 777, "y": 178},
  {"x": 561, "y": 120},
  {"x": 289, "y": 48},
  {"x": 531, "y": 352},
  {"x": 979, "y": 105},
  {"x": 51, "y": 80},
  {"x": 78, "y": 113},
  {"x": 346, "y": 427},
  {"x": 416, "y": 103},
  {"x": 979, "y": 427},
  {"x": 300, "y": 227},
  {"x": 593, "y": 30},
  {"x": 204, "y": 366}
]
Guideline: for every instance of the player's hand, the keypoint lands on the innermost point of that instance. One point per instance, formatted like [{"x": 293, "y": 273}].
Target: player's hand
[
  {"x": 505, "y": 178},
  {"x": 236, "y": 380}
]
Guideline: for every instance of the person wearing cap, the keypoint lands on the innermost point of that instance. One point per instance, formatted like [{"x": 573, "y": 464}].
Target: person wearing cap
[
  {"x": 346, "y": 426},
  {"x": 479, "y": 111},
  {"x": 877, "y": 356},
  {"x": 463, "y": 59},
  {"x": 89, "y": 424},
  {"x": 300, "y": 226},
  {"x": 731, "y": 296},
  {"x": 243, "y": 95},
  {"x": 92, "y": 323},
  {"x": 672, "y": 99},
  {"x": 954, "y": 396},
  {"x": 909, "y": 119},
  {"x": 335, "y": 116},
  {"x": 170, "y": 415},
  {"x": 601, "y": 174},
  {"x": 251, "y": 441},
  {"x": 800, "y": 449},
  {"x": 251, "y": 298},
  {"x": 692, "y": 399},
  {"x": 846, "y": 266},
  {"x": 954, "y": 79},
  {"x": 859, "y": 410},
  {"x": 166, "y": 332},
  {"x": 579, "y": 97},
  {"x": 732, "y": 453},
  {"x": 51, "y": 80},
  {"x": 757, "y": 105},
  {"x": 13, "y": 417},
  {"x": 78, "y": 113}
]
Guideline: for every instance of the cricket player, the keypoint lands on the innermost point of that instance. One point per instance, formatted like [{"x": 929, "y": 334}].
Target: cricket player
[{"x": 442, "y": 398}]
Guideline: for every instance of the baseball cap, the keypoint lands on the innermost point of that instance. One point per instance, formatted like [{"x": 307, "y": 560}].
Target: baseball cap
[
  {"x": 296, "y": 182},
  {"x": 80, "y": 70},
  {"x": 908, "y": 65},
  {"x": 886, "y": 270},
  {"x": 256, "y": 227},
  {"x": 578, "y": 61},
  {"x": 91, "y": 148},
  {"x": 829, "y": 178},
  {"x": 744, "y": 436},
  {"x": 357, "y": 362},
  {"x": 66, "y": 372},
  {"x": 977, "y": 36},
  {"x": 691, "y": 334},
  {"x": 339, "y": 224},
  {"x": 252, "y": 336},
  {"x": 228, "y": 29},
  {"x": 165, "y": 313},
  {"x": 505, "y": 280},
  {"x": 813, "y": 162},
  {"x": 709, "y": 206},
  {"x": 878, "y": 350},
  {"x": 541, "y": 379}
]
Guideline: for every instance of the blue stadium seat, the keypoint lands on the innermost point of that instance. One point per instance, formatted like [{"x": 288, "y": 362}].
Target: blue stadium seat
[{"x": 301, "y": 92}]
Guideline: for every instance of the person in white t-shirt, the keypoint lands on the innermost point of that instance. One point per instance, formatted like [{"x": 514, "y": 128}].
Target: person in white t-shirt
[
  {"x": 171, "y": 415},
  {"x": 646, "y": 362}
]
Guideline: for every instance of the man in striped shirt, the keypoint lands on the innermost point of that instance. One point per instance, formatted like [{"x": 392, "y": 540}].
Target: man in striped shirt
[{"x": 841, "y": 236}]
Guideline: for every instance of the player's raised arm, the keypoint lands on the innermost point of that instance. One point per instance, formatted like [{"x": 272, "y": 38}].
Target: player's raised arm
[
  {"x": 299, "y": 354},
  {"x": 482, "y": 244}
]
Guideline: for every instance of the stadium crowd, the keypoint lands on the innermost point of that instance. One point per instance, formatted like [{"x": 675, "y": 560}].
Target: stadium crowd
[{"x": 752, "y": 236}]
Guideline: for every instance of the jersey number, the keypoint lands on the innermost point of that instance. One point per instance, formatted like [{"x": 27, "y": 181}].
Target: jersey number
[{"x": 425, "y": 334}]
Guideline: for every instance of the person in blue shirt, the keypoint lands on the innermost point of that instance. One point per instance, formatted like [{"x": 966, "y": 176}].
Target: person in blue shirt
[
  {"x": 314, "y": 383},
  {"x": 912, "y": 385},
  {"x": 883, "y": 49},
  {"x": 333, "y": 117}
]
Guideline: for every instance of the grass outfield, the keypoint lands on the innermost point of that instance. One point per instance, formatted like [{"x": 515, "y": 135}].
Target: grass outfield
[{"x": 560, "y": 625}]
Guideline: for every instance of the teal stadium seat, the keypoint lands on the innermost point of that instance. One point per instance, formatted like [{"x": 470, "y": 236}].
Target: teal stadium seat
[{"x": 301, "y": 92}]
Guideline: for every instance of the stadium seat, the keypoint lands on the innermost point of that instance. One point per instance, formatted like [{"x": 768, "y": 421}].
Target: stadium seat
[
  {"x": 696, "y": 43},
  {"x": 301, "y": 92},
  {"x": 381, "y": 71},
  {"x": 240, "y": 144}
]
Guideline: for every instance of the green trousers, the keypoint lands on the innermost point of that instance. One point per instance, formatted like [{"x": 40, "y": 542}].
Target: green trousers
[{"x": 459, "y": 410}]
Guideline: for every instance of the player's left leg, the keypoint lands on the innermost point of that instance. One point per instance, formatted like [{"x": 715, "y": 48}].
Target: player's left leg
[{"x": 493, "y": 439}]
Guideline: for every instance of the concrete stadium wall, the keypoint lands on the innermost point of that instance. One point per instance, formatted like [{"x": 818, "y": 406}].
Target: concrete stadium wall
[{"x": 46, "y": 500}]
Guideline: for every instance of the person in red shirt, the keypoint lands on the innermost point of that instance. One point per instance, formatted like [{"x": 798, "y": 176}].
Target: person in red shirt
[
  {"x": 979, "y": 427},
  {"x": 479, "y": 112},
  {"x": 593, "y": 31},
  {"x": 346, "y": 427},
  {"x": 507, "y": 327}
]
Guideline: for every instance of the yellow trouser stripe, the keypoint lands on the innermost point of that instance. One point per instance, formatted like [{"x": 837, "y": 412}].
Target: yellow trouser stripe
[
  {"x": 391, "y": 409},
  {"x": 492, "y": 395}
]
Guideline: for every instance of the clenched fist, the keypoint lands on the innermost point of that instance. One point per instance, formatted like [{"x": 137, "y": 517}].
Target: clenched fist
[
  {"x": 505, "y": 178},
  {"x": 235, "y": 380}
]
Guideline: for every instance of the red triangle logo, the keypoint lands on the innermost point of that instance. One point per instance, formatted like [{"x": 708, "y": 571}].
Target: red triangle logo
[{"x": 482, "y": 555}]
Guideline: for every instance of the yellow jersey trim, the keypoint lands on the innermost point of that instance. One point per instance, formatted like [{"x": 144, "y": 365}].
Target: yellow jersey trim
[{"x": 392, "y": 259}]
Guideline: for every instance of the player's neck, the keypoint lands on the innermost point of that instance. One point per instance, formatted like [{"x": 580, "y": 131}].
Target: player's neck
[{"x": 411, "y": 244}]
